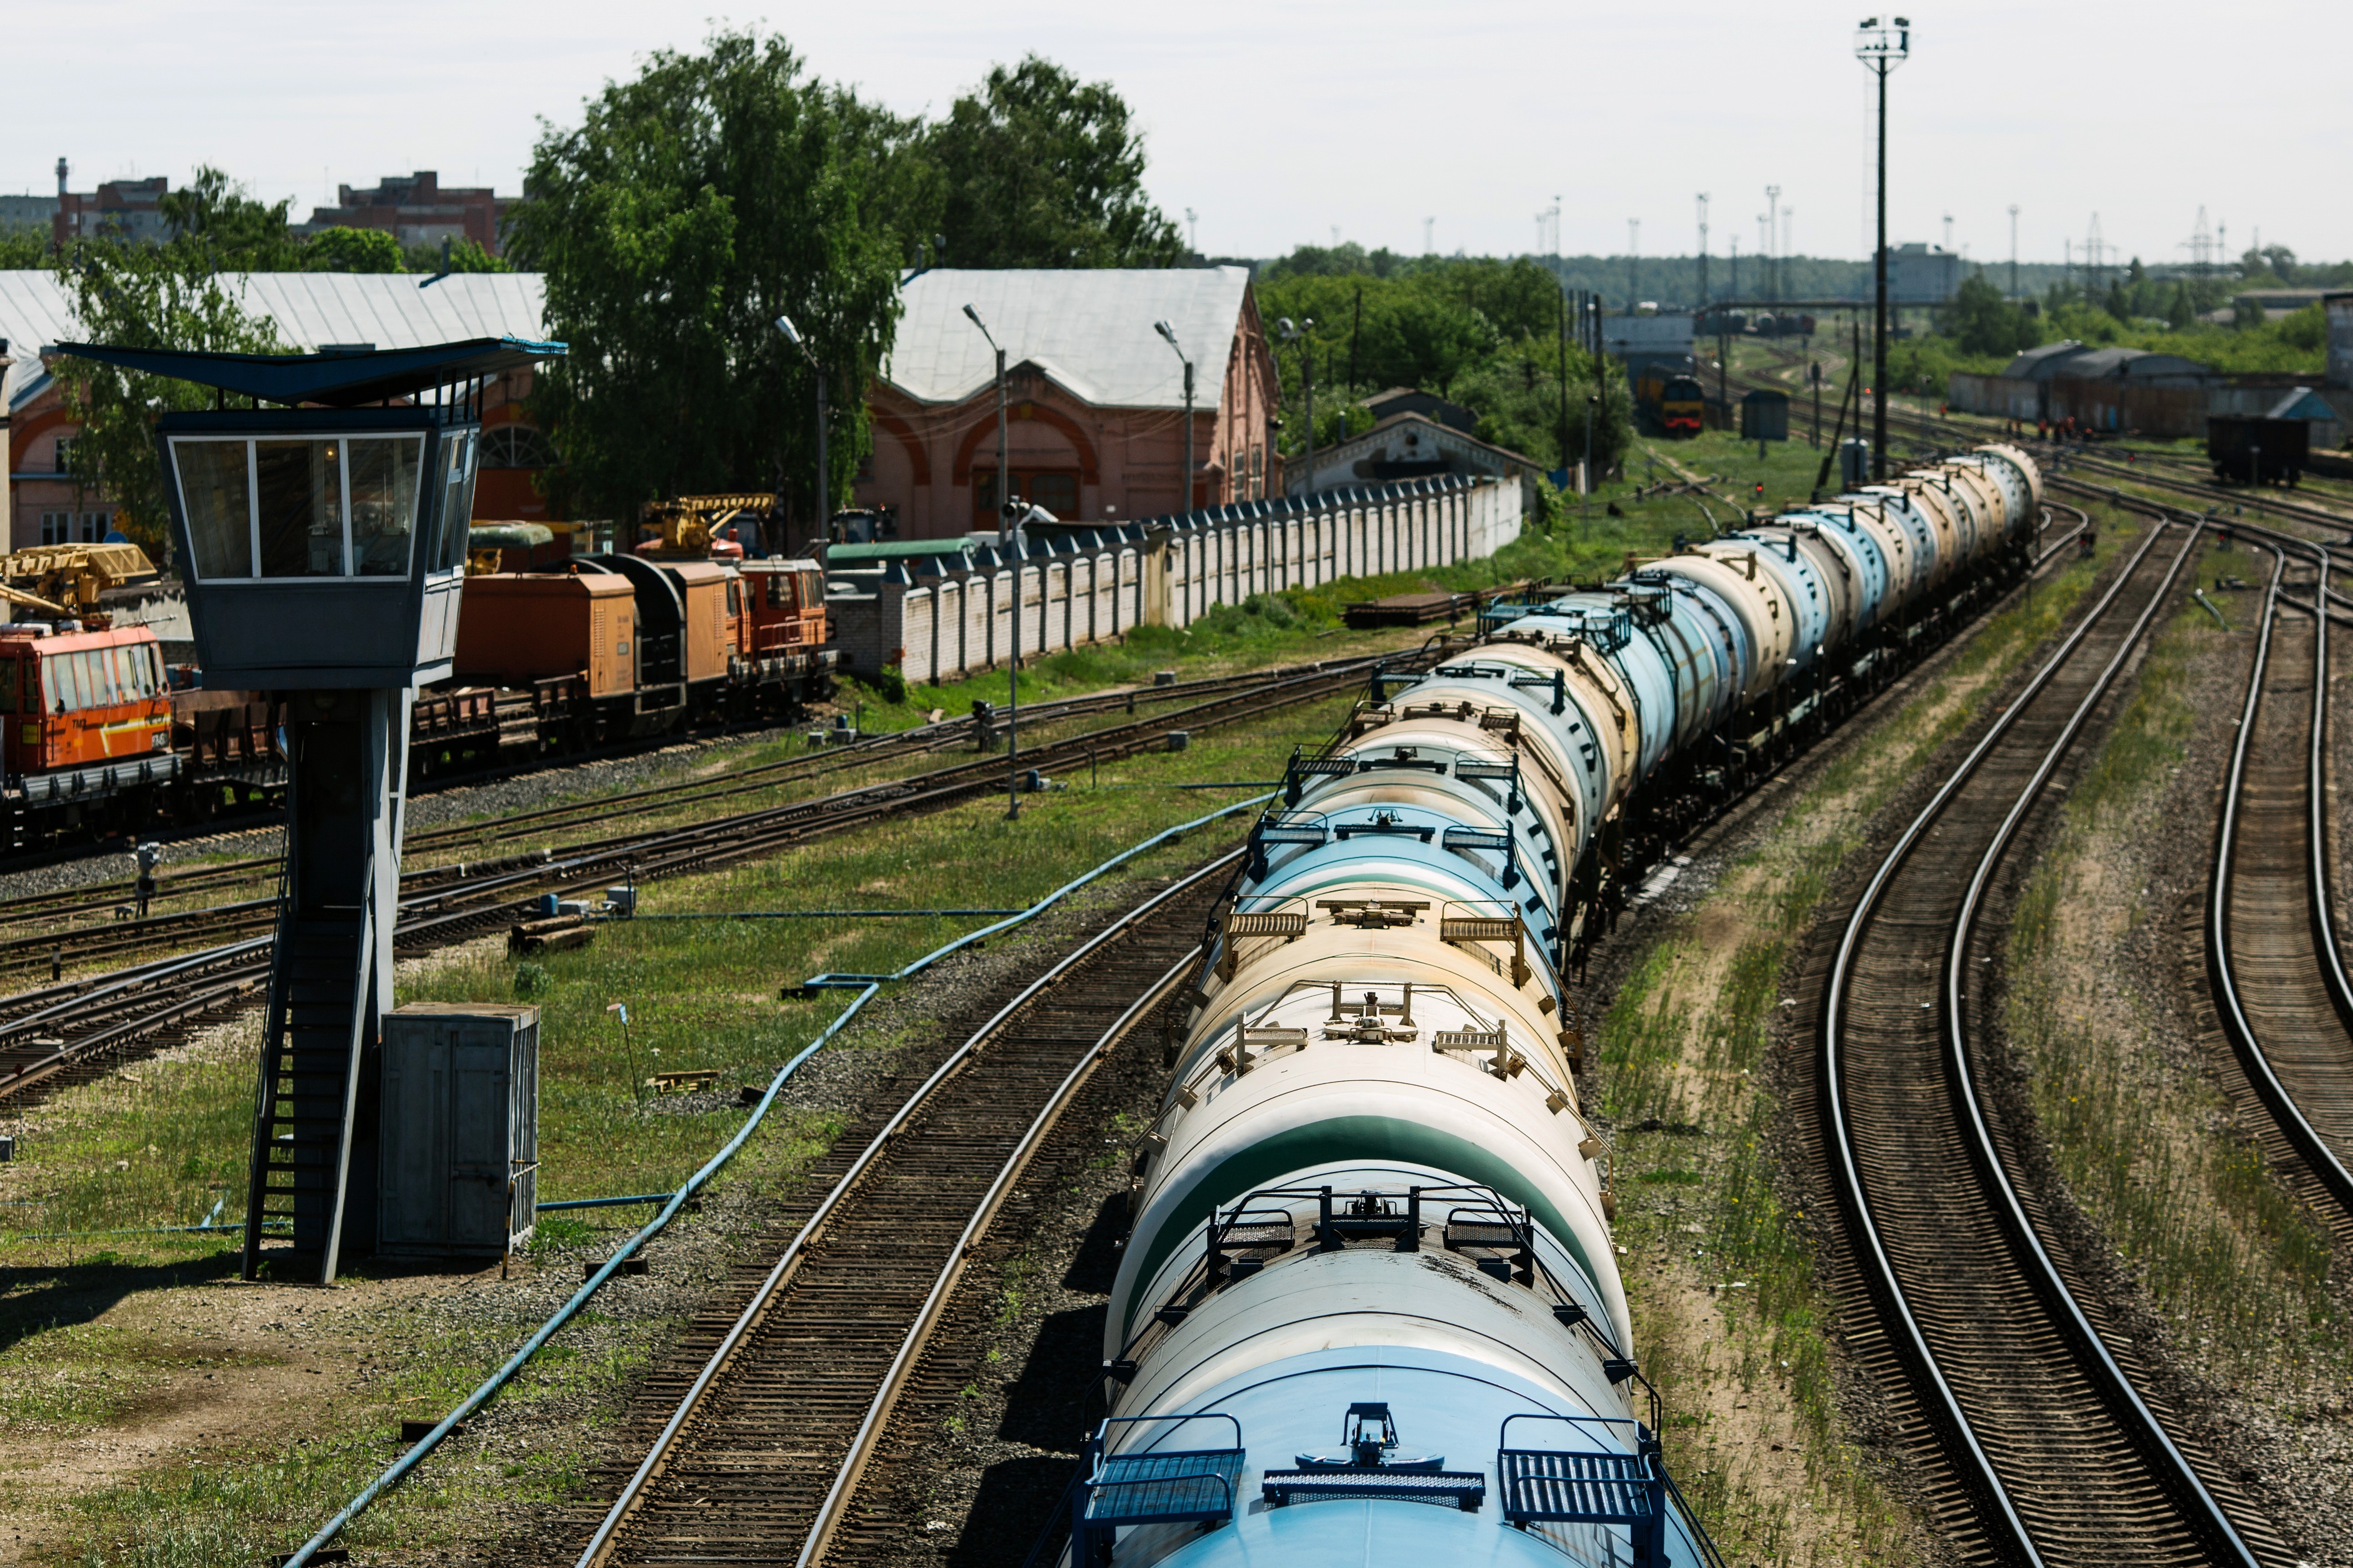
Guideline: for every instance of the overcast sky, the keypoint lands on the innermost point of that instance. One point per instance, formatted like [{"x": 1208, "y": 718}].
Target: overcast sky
[{"x": 1280, "y": 121}]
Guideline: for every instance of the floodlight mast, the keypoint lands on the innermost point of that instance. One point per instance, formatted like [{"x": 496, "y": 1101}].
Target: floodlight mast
[{"x": 1881, "y": 47}]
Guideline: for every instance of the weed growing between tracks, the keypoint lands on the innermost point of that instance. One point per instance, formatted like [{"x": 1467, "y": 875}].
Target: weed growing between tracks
[
  {"x": 2146, "y": 1145},
  {"x": 1735, "y": 1327},
  {"x": 298, "y": 1421}
]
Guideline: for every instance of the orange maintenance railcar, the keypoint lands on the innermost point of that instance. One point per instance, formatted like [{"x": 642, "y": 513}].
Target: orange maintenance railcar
[{"x": 88, "y": 721}]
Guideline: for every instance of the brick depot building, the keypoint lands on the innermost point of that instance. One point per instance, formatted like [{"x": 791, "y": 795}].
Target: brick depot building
[
  {"x": 1095, "y": 398},
  {"x": 311, "y": 311}
]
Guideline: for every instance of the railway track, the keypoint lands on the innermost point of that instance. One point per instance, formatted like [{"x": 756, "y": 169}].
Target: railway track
[
  {"x": 799, "y": 819},
  {"x": 64, "y": 1033},
  {"x": 2043, "y": 1448},
  {"x": 756, "y": 1435},
  {"x": 2273, "y": 963},
  {"x": 101, "y": 900}
]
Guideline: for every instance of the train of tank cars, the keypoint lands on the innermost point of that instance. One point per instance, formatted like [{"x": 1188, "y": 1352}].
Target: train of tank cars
[
  {"x": 556, "y": 653},
  {"x": 1379, "y": 1060}
]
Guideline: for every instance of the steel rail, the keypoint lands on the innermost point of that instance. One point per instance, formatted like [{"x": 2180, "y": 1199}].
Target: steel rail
[
  {"x": 2327, "y": 1166},
  {"x": 657, "y": 1456},
  {"x": 1835, "y": 1004},
  {"x": 862, "y": 1447},
  {"x": 427, "y": 921},
  {"x": 1957, "y": 1054}
]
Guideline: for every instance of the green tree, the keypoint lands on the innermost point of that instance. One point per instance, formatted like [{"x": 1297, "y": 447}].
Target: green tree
[
  {"x": 213, "y": 219},
  {"x": 353, "y": 250},
  {"x": 1038, "y": 169},
  {"x": 2307, "y": 329},
  {"x": 1982, "y": 322},
  {"x": 2180, "y": 311},
  {"x": 456, "y": 255},
  {"x": 139, "y": 296},
  {"x": 693, "y": 206},
  {"x": 22, "y": 249}
]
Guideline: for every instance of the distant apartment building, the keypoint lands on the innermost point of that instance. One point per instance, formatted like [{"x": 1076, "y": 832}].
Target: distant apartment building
[
  {"x": 18, "y": 214},
  {"x": 118, "y": 209},
  {"x": 417, "y": 209},
  {"x": 1921, "y": 274}
]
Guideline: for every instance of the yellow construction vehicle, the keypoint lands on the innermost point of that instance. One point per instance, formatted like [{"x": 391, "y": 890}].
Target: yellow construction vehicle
[
  {"x": 63, "y": 582},
  {"x": 687, "y": 523}
]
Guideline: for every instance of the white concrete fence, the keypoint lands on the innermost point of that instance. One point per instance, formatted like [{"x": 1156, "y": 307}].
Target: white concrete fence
[{"x": 1092, "y": 585}]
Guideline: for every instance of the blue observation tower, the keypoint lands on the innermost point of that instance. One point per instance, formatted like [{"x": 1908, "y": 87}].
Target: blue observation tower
[{"x": 319, "y": 516}]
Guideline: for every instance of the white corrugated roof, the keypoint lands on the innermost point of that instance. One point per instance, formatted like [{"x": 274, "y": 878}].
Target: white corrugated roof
[
  {"x": 388, "y": 310},
  {"x": 1091, "y": 330}
]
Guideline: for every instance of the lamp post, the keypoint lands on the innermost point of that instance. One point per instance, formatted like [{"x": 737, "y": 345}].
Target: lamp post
[
  {"x": 824, "y": 479},
  {"x": 1004, "y": 477},
  {"x": 1297, "y": 332},
  {"x": 1880, "y": 48},
  {"x": 1009, "y": 534},
  {"x": 1169, "y": 332}
]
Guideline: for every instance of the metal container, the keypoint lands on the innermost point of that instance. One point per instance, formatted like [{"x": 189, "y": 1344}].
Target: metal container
[
  {"x": 458, "y": 1162},
  {"x": 2251, "y": 450},
  {"x": 1854, "y": 463}
]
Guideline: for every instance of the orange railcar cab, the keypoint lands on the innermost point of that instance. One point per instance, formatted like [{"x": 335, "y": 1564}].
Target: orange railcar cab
[
  {"x": 85, "y": 697},
  {"x": 784, "y": 607}
]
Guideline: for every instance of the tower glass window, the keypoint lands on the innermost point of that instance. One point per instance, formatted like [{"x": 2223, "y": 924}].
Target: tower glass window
[
  {"x": 384, "y": 503},
  {"x": 216, "y": 488}
]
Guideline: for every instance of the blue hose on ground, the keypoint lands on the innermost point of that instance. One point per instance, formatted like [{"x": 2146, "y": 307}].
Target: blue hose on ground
[
  {"x": 607, "y": 1202},
  {"x": 867, "y": 985}
]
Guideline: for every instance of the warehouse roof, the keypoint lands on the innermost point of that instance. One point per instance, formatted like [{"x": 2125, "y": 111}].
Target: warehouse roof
[
  {"x": 311, "y": 311},
  {"x": 1089, "y": 330},
  {"x": 2071, "y": 358}
]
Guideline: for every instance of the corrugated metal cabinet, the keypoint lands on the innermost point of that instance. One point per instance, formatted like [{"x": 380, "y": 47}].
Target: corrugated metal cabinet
[{"x": 461, "y": 1129}]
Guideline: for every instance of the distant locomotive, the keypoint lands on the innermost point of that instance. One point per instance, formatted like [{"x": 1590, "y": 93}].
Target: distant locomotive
[{"x": 1670, "y": 395}]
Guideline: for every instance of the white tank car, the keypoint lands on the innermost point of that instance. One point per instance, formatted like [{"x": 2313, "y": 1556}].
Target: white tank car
[{"x": 1369, "y": 1311}]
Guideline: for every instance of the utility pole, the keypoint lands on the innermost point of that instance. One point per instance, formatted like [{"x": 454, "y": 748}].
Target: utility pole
[
  {"x": 1703, "y": 250},
  {"x": 1881, "y": 50},
  {"x": 1300, "y": 332},
  {"x": 1564, "y": 379},
  {"x": 1736, "y": 263},
  {"x": 1773, "y": 249},
  {"x": 1192, "y": 232},
  {"x": 2014, "y": 250},
  {"x": 1633, "y": 262}
]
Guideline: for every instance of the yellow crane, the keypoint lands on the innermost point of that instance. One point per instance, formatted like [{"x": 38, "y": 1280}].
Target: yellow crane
[
  {"x": 63, "y": 582},
  {"x": 687, "y": 523}
]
